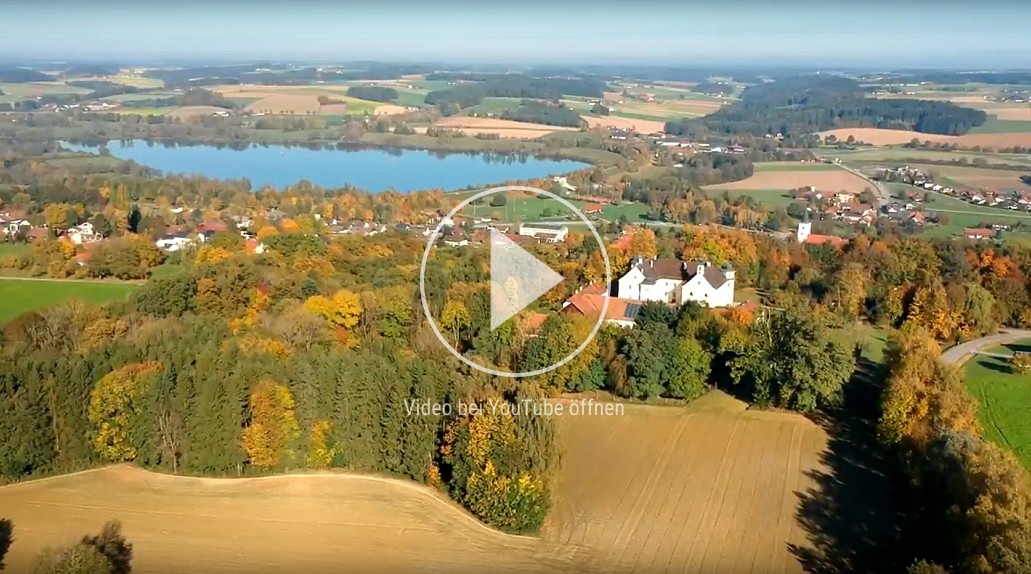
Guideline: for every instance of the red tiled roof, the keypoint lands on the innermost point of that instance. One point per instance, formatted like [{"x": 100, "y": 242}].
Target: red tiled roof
[
  {"x": 213, "y": 225},
  {"x": 977, "y": 232},
  {"x": 834, "y": 241},
  {"x": 590, "y": 300},
  {"x": 533, "y": 322},
  {"x": 623, "y": 241}
]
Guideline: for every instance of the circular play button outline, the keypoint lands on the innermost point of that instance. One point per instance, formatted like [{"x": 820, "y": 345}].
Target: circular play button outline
[{"x": 437, "y": 234}]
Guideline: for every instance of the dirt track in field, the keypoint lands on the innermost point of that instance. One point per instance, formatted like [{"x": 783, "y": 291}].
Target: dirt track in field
[{"x": 704, "y": 488}]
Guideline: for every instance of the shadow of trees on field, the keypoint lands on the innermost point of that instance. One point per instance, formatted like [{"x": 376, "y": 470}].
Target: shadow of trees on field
[
  {"x": 996, "y": 364},
  {"x": 6, "y": 538},
  {"x": 849, "y": 516}
]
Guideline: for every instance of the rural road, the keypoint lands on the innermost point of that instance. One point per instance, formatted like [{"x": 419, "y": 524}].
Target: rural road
[
  {"x": 960, "y": 353},
  {"x": 883, "y": 195}
]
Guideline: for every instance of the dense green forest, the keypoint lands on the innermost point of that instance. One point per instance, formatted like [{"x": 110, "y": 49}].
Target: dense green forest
[
  {"x": 714, "y": 88},
  {"x": 266, "y": 73},
  {"x": 544, "y": 113},
  {"x": 805, "y": 104},
  {"x": 372, "y": 93},
  {"x": 516, "y": 86},
  {"x": 23, "y": 75},
  {"x": 191, "y": 97}
]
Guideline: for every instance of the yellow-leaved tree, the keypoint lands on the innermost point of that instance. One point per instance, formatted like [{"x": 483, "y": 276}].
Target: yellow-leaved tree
[
  {"x": 343, "y": 311},
  {"x": 268, "y": 439},
  {"x": 114, "y": 409},
  {"x": 320, "y": 453}
]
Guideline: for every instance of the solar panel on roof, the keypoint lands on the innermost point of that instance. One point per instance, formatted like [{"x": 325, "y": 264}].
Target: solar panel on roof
[{"x": 631, "y": 311}]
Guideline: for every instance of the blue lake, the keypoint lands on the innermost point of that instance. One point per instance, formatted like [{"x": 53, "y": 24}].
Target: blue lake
[{"x": 369, "y": 169}]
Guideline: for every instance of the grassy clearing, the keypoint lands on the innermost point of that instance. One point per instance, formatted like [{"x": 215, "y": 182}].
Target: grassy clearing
[
  {"x": 9, "y": 249},
  {"x": 897, "y": 155},
  {"x": 772, "y": 198},
  {"x": 21, "y": 296},
  {"x": 871, "y": 338},
  {"x": 1005, "y": 400},
  {"x": 167, "y": 270},
  {"x": 13, "y": 93},
  {"x": 494, "y": 106},
  {"x": 996, "y": 126}
]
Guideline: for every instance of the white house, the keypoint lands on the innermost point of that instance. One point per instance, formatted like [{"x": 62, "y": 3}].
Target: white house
[
  {"x": 16, "y": 226},
  {"x": 549, "y": 233},
  {"x": 83, "y": 233},
  {"x": 173, "y": 242},
  {"x": 678, "y": 282}
]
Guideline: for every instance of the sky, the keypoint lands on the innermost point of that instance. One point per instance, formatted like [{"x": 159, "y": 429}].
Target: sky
[{"x": 867, "y": 33}]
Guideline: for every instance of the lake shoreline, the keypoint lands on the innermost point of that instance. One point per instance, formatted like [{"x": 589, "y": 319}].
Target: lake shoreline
[{"x": 373, "y": 167}]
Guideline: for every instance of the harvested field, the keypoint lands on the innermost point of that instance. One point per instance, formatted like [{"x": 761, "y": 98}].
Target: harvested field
[
  {"x": 1012, "y": 113},
  {"x": 709, "y": 487},
  {"x": 643, "y": 126},
  {"x": 835, "y": 180},
  {"x": 876, "y": 136},
  {"x": 388, "y": 110},
  {"x": 305, "y": 524},
  {"x": 503, "y": 128},
  {"x": 286, "y": 104}
]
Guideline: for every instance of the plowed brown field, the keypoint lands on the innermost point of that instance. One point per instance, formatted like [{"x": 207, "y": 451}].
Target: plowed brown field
[{"x": 704, "y": 488}]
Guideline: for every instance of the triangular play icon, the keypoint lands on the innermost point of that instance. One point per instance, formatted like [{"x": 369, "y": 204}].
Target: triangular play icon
[{"x": 516, "y": 278}]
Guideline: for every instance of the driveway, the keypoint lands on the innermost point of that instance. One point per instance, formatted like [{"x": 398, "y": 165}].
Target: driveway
[{"x": 958, "y": 354}]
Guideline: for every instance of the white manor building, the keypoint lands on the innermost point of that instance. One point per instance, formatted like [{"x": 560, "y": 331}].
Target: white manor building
[
  {"x": 545, "y": 232},
  {"x": 677, "y": 282}
]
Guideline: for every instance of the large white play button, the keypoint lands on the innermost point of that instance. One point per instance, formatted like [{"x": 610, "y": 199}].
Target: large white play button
[{"x": 516, "y": 278}]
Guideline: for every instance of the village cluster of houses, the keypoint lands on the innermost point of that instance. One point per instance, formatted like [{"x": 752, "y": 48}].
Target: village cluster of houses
[
  {"x": 843, "y": 206},
  {"x": 16, "y": 226},
  {"x": 1013, "y": 200}
]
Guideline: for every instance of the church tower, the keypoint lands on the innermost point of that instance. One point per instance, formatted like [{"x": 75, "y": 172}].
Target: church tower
[{"x": 805, "y": 227}]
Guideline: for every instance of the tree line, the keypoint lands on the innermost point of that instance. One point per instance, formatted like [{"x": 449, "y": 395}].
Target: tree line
[
  {"x": 515, "y": 86},
  {"x": 802, "y": 105},
  {"x": 966, "y": 503},
  {"x": 544, "y": 113},
  {"x": 372, "y": 93}
]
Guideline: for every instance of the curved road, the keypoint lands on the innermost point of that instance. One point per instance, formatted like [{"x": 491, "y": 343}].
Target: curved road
[{"x": 958, "y": 354}]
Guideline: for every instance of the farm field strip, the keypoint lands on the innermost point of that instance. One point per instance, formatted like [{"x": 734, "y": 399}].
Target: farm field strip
[
  {"x": 236, "y": 525},
  {"x": 715, "y": 492},
  {"x": 835, "y": 180},
  {"x": 23, "y": 295},
  {"x": 876, "y": 136}
]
